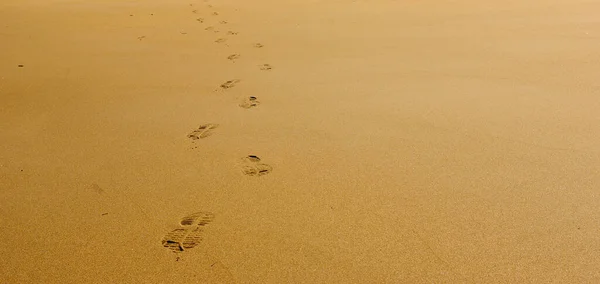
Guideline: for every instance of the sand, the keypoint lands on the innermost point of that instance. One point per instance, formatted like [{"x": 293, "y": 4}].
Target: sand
[{"x": 390, "y": 141}]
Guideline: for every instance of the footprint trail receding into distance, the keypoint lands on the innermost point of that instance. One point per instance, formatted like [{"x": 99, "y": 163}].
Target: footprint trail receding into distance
[{"x": 190, "y": 231}]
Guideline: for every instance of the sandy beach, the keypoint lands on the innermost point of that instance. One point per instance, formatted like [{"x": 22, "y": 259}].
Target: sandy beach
[{"x": 343, "y": 141}]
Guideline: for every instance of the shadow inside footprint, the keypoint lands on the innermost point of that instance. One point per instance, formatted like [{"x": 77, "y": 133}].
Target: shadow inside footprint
[{"x": 252, "y": 159}]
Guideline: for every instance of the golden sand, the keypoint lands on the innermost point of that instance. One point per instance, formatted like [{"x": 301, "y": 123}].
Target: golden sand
[{"x": 342, "y": 141}]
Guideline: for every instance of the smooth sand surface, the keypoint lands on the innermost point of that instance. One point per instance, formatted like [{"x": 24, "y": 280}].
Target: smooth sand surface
[{"x": 402, "y": 141}]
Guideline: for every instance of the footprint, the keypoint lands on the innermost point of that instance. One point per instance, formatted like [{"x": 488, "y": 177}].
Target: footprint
[
  {"x": 223, "y": 22},
  {"x": 229, "y": 84},
  {"x": 266, "y": 67},
  {"x": 250, "y": 102},
  {"x": 215, "y": 14},
  {"x": 200, "y": 20},
  {"x": 195, "y": 11},
  {"x": 209, "y": 28},
  {"x": 190, "y": 235},
  {"x": 141, "y": 38},
  {"x": 232, "y": 33},
  {"x": 220, "y": 40},
  {"x": 180, "y": 239},
  {"x": 233, "y": 57},
  {"x": 197, "y": 219},
  {"x": 97, "y": 188},
  {"x": 203, "y": 131},
  {"x": 258, "y": 45},
  {"x": 252, "y": 166},
  {"x": 258, "y": 170}
]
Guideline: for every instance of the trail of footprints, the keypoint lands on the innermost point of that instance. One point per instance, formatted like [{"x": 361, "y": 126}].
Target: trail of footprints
[{"x": 191, "y": 227}]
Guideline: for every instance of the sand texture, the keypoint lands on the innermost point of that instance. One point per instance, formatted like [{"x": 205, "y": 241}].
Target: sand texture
[{"x": 299, "y": 141}]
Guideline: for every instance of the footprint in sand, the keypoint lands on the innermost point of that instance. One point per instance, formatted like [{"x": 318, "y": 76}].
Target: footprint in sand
[
  {"x": 223, "y": 22},
  {"x": 220, "y": 40},
  {"x": 197, "y": 219},
  {"x": 211, "y": 28},
  {"x": 266, "y": 67},
  {"x": 252, "y": 166},
  {"x": 215, "y": 14},
  {"x": 200, "y": 20},
  {"x": 230, "y": 84},
  {"x": 233, "y": 57},
  {"x": 190, "y": 233},
  {"x": 232, "y": 33},
  {"x": 249, "y": 102},
  {"x": 258, "y": 45},
  {"x": 203, "y": 131}
]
